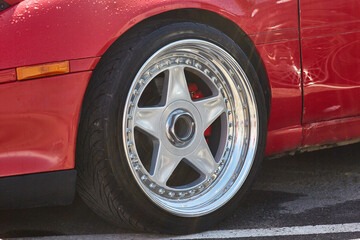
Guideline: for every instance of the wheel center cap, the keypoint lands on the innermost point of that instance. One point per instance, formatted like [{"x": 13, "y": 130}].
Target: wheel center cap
[{"x": 180, "y": 127}]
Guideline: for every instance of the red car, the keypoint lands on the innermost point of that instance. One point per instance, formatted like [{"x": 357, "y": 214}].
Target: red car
[{"x": 160, "y": 112}]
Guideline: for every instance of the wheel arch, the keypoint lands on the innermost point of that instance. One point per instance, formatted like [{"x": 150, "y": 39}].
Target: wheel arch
[{"x": 219, "y": 22}]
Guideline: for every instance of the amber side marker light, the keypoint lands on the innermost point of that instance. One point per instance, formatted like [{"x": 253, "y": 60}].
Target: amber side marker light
[{"x": 42, "y": 70}]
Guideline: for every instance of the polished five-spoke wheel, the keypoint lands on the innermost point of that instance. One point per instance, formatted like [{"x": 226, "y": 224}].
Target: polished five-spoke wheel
[{"x": 173, "y": 129}]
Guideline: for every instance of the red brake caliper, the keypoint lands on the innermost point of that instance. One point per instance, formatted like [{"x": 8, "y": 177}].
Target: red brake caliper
[{"x": 197, "y": 94}]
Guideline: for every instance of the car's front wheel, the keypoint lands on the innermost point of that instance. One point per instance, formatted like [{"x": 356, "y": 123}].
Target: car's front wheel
[{"x": 172, "y": 131}]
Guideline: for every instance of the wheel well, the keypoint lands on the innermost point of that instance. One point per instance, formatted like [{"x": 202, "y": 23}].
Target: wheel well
[{"x": 214, "y": 20}]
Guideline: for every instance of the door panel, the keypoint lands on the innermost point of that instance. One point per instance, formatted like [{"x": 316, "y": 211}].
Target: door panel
[{"x": 330, "y": 41}]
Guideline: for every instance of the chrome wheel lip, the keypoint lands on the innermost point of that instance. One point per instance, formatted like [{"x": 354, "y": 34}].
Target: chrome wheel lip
[{"x": 243, "y": 131}]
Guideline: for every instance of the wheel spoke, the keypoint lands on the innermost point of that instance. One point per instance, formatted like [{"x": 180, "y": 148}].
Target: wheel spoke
[
  {"x": 210, "y": 109},
  {"x": 163, "y": 165},
  {"x": 202, "y": 159},
  {"x": 148, "y": 119},
  {"x": 177, "y": 88}
]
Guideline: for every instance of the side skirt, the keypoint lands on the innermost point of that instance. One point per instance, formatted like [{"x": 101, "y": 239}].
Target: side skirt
[
  {"x": 40, "y": 189},
  {"x": 315, "y": 136}
]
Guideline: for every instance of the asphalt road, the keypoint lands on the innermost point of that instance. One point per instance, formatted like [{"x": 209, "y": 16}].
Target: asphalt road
[{"x": 320, "y": 188}]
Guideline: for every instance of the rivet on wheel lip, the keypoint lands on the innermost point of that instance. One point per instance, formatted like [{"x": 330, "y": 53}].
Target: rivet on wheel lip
[
  {"x": 152, "y": 185},
  {"x": 129, "y": 144},
  {"x": 129, "y": 117},
  {"x": 171, "y": 194},
  {"x": 229, "y": 112},
  {"x": 144, "y": 177},
  {"x": 198, "y": 65},
  {"x": 137, "y": 167},
  {"x": 178, "y": 60},
  {"x": 229, "y": 137},
  {"x": 230, "y": 124},
  {"x": 134, "y": 159},
  {"x": 142, "y": 81},
  {"x": 181, "y": 194},
  {"x": 161, "y": 191},
  {"x": 191, "y": 192},
  {"x": 188, "y": 61},
  {"x": 128, "y": 130},
  {"x": 206, "y": 71}
]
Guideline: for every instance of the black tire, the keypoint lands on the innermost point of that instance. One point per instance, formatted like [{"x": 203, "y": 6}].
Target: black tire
[{"x": 105, "y": 180}]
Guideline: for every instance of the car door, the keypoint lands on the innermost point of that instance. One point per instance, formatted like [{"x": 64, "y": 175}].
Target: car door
[{"x": 330, "y": 43}]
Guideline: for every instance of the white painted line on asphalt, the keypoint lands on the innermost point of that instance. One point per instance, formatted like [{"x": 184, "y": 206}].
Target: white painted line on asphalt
[
  {"x": 228, "y": 234},
  {"x": 272, "y": 232}
]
